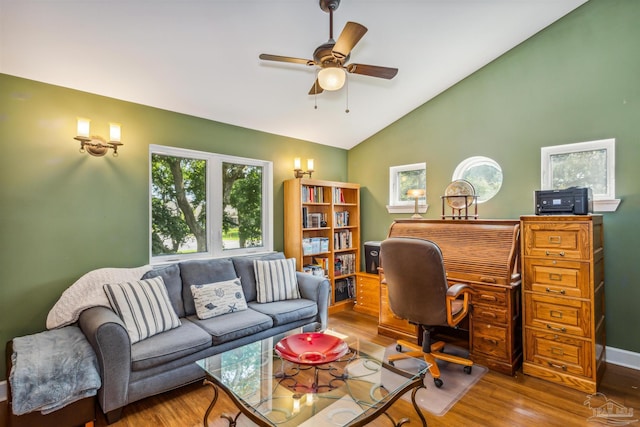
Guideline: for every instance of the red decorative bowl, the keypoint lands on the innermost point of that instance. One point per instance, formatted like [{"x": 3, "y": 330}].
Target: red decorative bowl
[{"x": 311, "y": 348}]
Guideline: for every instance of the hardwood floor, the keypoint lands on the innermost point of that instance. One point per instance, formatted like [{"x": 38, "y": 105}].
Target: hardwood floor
[{"x": 496, "y": 400}]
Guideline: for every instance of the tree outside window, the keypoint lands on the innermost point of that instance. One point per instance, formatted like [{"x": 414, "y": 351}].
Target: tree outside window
[{"x": 204, "y": 204}]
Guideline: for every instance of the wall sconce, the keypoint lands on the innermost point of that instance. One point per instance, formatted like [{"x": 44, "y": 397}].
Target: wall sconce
[
  {"x": 96, "y": 145},
  {"x": 416, "y": 193},
  {"x": 297, "y": 170}
]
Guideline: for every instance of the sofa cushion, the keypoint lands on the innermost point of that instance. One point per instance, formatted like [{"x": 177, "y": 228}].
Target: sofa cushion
[
  {"x": 172, "y": 280},
  {"x": 199, "y": 272},
  {"x": 283, "y": 312},
  {"x": 246, "y": 273},
  {"x": 168, "y": 346},
  {"x": 214, "y": 299},
  {"x": 143, "y": 306},
  {"x": 231, "y": 326},
  {"x": 276, "y": 280}
]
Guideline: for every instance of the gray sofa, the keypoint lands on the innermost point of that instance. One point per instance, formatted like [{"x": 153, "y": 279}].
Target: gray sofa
[{"x": 167, "y": 360}]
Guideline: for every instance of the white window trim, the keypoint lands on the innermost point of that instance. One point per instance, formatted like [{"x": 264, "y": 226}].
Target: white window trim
[
  {"x": 601, "y": 202},
  {"x": 404, "y": 206},
  {"x": 214, "y": 198}
]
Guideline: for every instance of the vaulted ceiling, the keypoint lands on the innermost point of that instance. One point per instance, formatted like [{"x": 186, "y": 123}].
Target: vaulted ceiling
[{"x": 200, "y": 57}]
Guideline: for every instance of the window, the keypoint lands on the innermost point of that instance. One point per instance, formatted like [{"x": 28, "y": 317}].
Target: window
[
  {"x": 583, "y": 164},
  {"x": 207, "y": 205},
  {"x": 401, "y": 180},
  {"x": 483, "y": 173}
]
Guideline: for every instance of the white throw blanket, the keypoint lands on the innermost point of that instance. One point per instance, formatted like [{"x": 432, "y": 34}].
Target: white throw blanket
[{"x": 87, "y": 292}]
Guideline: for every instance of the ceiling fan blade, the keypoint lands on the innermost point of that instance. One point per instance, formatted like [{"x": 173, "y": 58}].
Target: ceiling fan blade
[
  {"x": 279, "y": 58},
  {"x": 372, "y": 70},
  {"x": 315, "y": 89},
  {"x": 350, "y": 36}
]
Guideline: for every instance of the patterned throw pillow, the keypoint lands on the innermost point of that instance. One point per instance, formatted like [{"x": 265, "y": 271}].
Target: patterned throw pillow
[
  {"x": 276, "y": 280},
  {"x": 214, "y": 299},
  {"x": 143, "y": 306}
]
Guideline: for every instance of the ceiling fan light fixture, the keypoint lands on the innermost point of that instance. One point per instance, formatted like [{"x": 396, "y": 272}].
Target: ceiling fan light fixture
[{"x": 331, "y": 78}]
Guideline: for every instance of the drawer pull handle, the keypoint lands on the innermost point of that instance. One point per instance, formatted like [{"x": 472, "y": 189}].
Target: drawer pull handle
[
  {"x": 488, "y": 314},
  {"x": 553, "y": 365},
  {"x": 489, "y": 340},
  {"x": 556, "y": 240},
  {"x": 488, "y": 279},
  {"x": 555, "y": 277},
  {"x": 561, "y": 253},
  {"x": 561, "y": 291},
  {"x": 555, "y": 314},
  {"x": 488, "y": 297},
  {"x": 557, "y": 351},
  {"x": 556, "y": 329}
]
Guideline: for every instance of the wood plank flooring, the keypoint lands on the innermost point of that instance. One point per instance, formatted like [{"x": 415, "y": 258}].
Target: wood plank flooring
[{"x": 496, "y": 400}]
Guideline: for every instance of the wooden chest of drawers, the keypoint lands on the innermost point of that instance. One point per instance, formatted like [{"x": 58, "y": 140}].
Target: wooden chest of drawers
[
  {"x": 563, "y": 285},
  {"x": 367, "y": 294}
]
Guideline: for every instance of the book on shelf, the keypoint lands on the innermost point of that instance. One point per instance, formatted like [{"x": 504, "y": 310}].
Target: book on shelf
[
  {"x": 344, "y": 289},
  {"x": 311, "y": 194},
  {"x": 344, "y": 264},
  {"x": 338, "y": 195},
  {"x": 342, "y": 239},
  {"x": 313, "y": 269},
  {"x": 342, "y": 219}
]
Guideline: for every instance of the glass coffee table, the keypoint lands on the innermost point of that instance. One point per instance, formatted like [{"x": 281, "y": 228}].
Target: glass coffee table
[{"x": 271, "y": 390}]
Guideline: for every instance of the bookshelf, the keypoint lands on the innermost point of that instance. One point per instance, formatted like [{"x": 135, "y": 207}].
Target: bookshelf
[{"x": 322, "y": 232}]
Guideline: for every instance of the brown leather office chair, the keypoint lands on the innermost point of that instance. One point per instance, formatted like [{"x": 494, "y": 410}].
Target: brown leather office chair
[{"x": 418, "y": 292}]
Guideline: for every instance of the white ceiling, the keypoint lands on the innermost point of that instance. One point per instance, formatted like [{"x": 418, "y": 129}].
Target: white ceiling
[{"x": 200, "y": 57}]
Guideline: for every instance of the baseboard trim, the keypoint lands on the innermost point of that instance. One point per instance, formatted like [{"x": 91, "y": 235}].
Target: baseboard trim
[
  {"x": 615, "y": 356},
  {"x": 624, "y": 358}
]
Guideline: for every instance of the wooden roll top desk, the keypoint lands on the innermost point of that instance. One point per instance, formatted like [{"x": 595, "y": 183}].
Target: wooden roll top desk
[{"x": 485, "y": 255}]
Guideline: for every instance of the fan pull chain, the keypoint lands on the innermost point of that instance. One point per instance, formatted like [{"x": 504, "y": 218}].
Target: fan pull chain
[
  {"x": 347, "y": 89},
  {"x": 315, "y": 92}
]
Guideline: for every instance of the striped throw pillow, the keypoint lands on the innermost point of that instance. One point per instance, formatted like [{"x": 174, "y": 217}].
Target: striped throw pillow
[
  {"x": 276, "y": 280},
  {"x": 143, "y": 306}
]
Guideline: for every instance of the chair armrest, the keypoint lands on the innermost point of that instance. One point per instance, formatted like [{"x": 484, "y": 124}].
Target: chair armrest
[
  {"x": 108, "y": 336},
  {"x": 315, "y": 288},
  {"x": 458, "y": 296}
]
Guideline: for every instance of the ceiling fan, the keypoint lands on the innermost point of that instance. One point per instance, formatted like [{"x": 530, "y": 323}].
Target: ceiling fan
[{"x": 331, "y": 57}]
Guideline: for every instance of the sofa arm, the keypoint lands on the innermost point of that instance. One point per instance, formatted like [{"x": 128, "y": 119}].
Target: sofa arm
[
  {"x": 316, "y": 288},
  {"x": 108, "y": 336}
]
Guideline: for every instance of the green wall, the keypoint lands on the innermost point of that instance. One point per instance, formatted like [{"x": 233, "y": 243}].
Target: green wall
[
  {"x": 63, "y": 213},
  {"x": 578, "y": 80}
]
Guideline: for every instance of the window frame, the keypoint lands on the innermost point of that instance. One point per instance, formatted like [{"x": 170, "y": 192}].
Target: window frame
[
  {"x": 405, "y": 206},
  {"x": 214, "y": 199},
  {"x": 601, "y": 202},
  {"x": 471, "y": 162}
]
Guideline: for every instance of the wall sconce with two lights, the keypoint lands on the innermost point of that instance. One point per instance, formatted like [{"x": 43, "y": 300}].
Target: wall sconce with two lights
[
  {"x": 297, "y": 170},
  {"x": 96, "y": 145}
]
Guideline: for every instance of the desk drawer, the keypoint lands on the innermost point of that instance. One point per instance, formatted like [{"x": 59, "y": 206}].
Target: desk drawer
[
  {"x": 494, "y": 297},
  {"x": 555, "y": 240},
  {"x": 557, "y": 314},
  {"x": 568, "y": 278},
  {"x": 489, "y": 339},
  {"x": 489, "y": 314},
  {"x": 557, "y": 352}
]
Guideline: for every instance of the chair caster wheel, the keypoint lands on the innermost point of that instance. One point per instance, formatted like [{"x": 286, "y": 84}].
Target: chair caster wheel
[
  {"x": 399, "y": 348},
  {"x": 467, "y": 370},
  {"x": 438, "y": 382},
  {"x": 392, "y": 363}
]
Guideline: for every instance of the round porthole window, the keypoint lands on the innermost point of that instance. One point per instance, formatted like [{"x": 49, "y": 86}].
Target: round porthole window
[{"x": 483, "y": 173}]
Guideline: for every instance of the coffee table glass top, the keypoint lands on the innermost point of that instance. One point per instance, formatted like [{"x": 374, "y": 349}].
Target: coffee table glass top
[{"x": 283, "y": 393}]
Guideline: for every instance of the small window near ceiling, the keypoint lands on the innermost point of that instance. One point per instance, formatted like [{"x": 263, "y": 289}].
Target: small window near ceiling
[
  {"x": 583, "y": 164},
  {"x": 483, "y": 173},
  {"x": 402, "y": 179}
]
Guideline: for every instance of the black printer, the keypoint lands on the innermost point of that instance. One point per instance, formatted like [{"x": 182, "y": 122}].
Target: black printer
[{"x": 570, "y": 201}]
